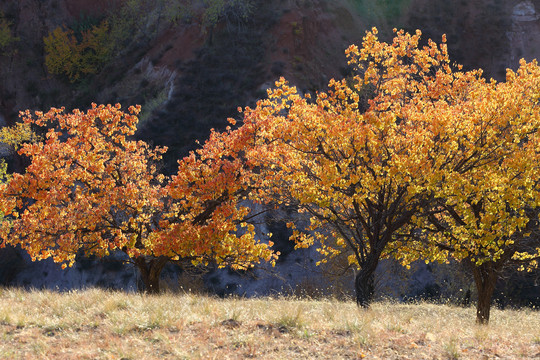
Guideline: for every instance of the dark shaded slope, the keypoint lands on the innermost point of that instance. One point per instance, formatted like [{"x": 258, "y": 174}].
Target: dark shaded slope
[{"x": 225, "y": 74}]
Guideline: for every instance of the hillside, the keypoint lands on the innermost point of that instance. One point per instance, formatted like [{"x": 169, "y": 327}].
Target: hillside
[{"x": 189, "y": 75}]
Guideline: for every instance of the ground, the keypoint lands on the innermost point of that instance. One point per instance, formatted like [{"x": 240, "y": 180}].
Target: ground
[{"x": 97, "y": 324}]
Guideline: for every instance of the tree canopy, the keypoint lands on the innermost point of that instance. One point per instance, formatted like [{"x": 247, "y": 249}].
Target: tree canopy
[
  {"x": 486, "y": 210},
  {"x": 410, "y": 138},
  {"x": 90, "y": 189},
  {"x": 358, "y": 158}
]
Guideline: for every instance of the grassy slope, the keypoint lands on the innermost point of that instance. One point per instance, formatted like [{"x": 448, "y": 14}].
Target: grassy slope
[{"x": 96, "y": 324}]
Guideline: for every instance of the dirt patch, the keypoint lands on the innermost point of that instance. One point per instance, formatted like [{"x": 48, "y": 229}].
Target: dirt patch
[
  {"x": 308, "y": 43},
  {"x": 177, "y": 45}
]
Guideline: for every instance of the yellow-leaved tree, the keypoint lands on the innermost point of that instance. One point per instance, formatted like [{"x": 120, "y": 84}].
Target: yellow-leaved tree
[
  {"x": 487, "y": 204},
  {"x": 379, "y": 154},
  {"x": 357, "y": 159}
]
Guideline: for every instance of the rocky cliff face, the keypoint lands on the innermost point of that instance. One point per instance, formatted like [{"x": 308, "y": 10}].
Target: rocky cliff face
[
  {"x": 190, "y": 78},
  {"x": 524, "y": 33}
]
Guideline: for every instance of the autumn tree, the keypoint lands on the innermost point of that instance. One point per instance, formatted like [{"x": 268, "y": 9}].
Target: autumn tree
[
  {"x": 18, "y": 134},
  {"x": 75, "y": 58},
  {"x": 431, "y": 144},
  {"x": 90, "y": 189},
  {"x": 487, "y": 205},
  {"x": 360, "y": 169}
]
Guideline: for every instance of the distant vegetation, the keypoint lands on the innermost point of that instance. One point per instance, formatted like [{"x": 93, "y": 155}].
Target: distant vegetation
[
  {"x": 86, "y": 46},
  {"x": 7, "y": 39},
  {"x": 76, "y": 55}
]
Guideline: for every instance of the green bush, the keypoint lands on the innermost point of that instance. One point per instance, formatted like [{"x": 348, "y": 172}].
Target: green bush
[
  {"x": 65, "y": 54},
  {"x": 6, "y": 37}
]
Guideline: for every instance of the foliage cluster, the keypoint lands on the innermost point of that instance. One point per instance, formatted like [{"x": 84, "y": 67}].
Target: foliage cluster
[
  {"x": 6, "y": 36},
  {"x": 88, "y": 45},
  {"x": 76, "y": 57}
]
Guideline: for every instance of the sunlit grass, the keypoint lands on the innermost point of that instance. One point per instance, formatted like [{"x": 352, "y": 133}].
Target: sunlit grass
[{"x": 97, "y": 324}]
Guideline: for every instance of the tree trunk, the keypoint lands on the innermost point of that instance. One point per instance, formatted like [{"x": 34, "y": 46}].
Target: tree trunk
[
  {"x": 364, "y": 287},
  {"x": 150, "y": 269},
  {"x": 364, "y": 283},
  {"x": 485, "y": 278}
]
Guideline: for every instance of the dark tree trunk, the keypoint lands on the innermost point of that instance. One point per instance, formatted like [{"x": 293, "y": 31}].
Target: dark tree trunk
[
  {"x": 364, "y": 287},
  {"x": 485, "y": 278},
  {"x": 150, "y": 269},
  {"x": 364, "y": 283}
]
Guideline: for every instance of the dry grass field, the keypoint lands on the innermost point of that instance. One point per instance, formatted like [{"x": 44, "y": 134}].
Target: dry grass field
[{"x": 97, "y": 324}]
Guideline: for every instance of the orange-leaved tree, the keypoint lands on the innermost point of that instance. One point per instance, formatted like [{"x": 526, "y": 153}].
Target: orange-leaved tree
[
  {"x": 91, "y": 189},
  {"x": 208, "y": 212},
  {"x": 486, "y": 207}
]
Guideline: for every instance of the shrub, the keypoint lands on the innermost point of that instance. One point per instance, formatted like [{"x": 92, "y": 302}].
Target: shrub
[
  {"x": 77, "y": 58},
  {"x": 6, "y": 37}
]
